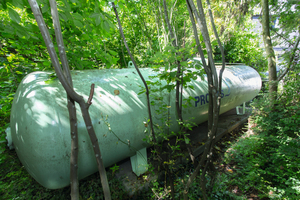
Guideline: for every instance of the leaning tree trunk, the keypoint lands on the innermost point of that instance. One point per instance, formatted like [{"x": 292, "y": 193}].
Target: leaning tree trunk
[
  {"x": 71, "y": 93},
  {"x": 71, "y": 104},
  {"x": 269, "y": 51}
]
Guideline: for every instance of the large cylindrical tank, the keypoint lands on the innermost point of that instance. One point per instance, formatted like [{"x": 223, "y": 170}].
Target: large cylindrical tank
[{"x": 40, "y": 124}]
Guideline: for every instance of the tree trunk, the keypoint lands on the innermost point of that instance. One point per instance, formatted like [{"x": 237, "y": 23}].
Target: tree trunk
[
  {"x": 137, "y": 69},
  {"x": 214, "y": 88},
  {"x": 64, "y": 78},
  {"x": 269, "y": 51},
  {"x": 163, "y": 24},
  {"x": 71, "y": 105}
]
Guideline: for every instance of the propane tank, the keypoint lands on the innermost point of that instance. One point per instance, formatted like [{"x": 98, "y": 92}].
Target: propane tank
[{"x": 40, "y": 129}]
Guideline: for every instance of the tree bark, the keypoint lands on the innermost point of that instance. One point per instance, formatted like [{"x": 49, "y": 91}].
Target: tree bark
[
  {"x": 73, "y": 95},
  {"x": 121, "y": 42},
  {"x": 214, "y": 87},
  {"x": 71, "y": 104},
  {"x": 157, "y": 18},
  {"x": 177, "y": 101},
  {"x": 269, "y": 51},
  {"x": 163, "y": 24}
]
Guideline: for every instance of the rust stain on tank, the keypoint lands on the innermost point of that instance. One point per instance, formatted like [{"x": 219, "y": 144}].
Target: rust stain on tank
[{"x": 117, "y": 92}]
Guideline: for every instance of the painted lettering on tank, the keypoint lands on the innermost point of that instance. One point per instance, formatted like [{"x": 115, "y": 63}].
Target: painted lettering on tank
[
  {"x": 203, "y": 99},
  {"x": 228, "y": 93}
]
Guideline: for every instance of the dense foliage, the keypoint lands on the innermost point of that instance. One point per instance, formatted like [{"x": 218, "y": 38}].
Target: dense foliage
[
  {"x": 266, "y": 159},
  {"x": 243, "y": 47}
]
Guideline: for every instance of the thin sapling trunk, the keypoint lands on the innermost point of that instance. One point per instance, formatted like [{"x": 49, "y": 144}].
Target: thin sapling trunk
[
  {"x": 137, "y": 69},
  {"x": 72, "y": 95},
  {"x": 214, "y": 87},
  {"x": 71, "y": 105}
]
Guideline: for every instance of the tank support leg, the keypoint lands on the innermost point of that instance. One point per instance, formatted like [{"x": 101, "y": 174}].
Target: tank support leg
[
  {"x": 238, "y": 109},
  {"x": 139, "y": 162}
]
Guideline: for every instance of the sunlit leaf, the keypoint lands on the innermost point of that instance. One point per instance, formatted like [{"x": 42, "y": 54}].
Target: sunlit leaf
[
  {"x": 51, "y": 78},
  {"x": 46, "y": 63},
  {"x": 121, "y": 5},
  {"x": 187, "y": 140},
  {"x": 112, "y": 52}
]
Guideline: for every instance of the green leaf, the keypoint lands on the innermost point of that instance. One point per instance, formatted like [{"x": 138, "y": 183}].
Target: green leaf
[
  {"x": 77, "y": 16},
  {"x": 112, "y": 52},
  {"x": 187, "y": 140},
  {"x": 22, "y": 34},
  {"x": 18, "y": 3},
  {"x": 51, "y": 78},
  {"x": 98, "y": 21},
  {"x": 63, "y": 16},
  {"x": 18, "y": 72},
  {"x": 46, "y": 63},
  {"x": 85, "y": 36},
  {"x": 9, "y": 30},
  {"x": 45, "y": 8},
  {"x": 108, "y": 65},
  {"x": 191, "y": 86},
  {"x": 94, "y": 15},
  {"x": 67, "y": 7},
  {"x": 69, "y": 16},
  {"x": 106, "y": 26},
  {"x": 78, "y": 23},
  {"x": 114, "y": 60},
  {"x": 98, "y": 18},
  {"x": 141, "y": 92},
  {"x": 14, "y": 16},
  {"x": 4, "y": 5},
  {"x": 121, "y": 5}
]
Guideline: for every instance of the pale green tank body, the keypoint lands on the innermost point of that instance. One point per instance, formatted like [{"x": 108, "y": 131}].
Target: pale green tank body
[{"x": 40, "y": 129}]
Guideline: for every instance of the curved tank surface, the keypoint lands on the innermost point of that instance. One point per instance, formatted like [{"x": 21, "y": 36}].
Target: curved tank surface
[{"x": 40, "y": 129}]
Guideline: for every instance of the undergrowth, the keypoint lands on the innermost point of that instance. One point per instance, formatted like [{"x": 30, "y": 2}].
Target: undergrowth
[
  {"x": 267, "y": 166},
  {"x": 266, "y": 159}
]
